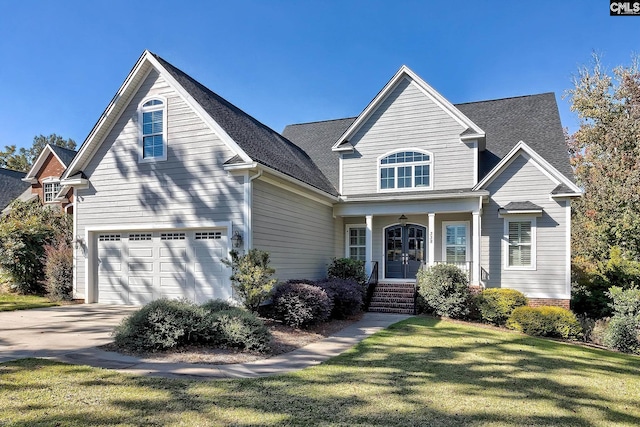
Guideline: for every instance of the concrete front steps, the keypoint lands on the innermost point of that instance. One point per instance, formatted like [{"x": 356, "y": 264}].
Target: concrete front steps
[{"x": 393, "y": 298}]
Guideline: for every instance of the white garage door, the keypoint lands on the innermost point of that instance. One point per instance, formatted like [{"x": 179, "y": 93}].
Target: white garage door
[{"x": 138, "y": 267}]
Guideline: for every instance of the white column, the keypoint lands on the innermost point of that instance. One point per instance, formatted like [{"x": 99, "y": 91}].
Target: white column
[
  {"x": 432, "y": 239},
  {"x": 369, "y": 244},
  {"x": 475, "y": 276}
]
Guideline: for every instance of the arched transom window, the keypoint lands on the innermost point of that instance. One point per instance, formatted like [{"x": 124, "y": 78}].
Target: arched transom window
[
  {"x": 153, "y": 130},
  {"x": 405, "y": 170}
]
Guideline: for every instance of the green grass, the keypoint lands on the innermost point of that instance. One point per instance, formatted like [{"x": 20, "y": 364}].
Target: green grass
[
  {"x": 421, "y": 372},
  {"x": 10, "y": 302}
]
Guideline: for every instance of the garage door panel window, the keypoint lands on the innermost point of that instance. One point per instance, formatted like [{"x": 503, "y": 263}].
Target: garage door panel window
[
  {"x": 109, "y": 238},
  {"x": 173, "y": 236}
]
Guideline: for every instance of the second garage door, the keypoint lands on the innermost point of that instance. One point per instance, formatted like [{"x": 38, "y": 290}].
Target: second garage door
[{"x": 138, "y": 267}]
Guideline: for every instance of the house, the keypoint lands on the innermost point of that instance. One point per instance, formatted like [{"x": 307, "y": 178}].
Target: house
[
  {"x": 44, "y": 177},
  {"x": 172, "y": 177},
  {"x": 11, "y": 187}
]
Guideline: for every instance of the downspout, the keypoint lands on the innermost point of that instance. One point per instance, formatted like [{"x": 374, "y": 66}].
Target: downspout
[{"x": 249, "y": 219}]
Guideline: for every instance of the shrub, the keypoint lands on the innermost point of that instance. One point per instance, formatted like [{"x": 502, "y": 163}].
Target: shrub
[
  {"x": 58, "y": 272},
  {"x": 625, "y": 302},
  {"x": 301, "y": 305},
  {"x": 347, "y": 268},
  {"x": 598, "y": 331},
  {"x": 24, "y": 232},
  {"x": 545, "y": 322},
  {"x": 251, "y": 277},
  {"x": 238, "y": 328},
  {"x": 443, "y": 289},
  {"x": 164, "y": 324},
  {"x": 622, "y": 334},
  {"x": 347, "y": 296},
  {"x": 496, "y": 305},
  {"x": 217, "y": 305}
]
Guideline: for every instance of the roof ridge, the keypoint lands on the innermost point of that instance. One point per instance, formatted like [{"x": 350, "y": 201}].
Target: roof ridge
[
  {"x": 321, "y": 121},
  {"x": 506, "y": 98}
]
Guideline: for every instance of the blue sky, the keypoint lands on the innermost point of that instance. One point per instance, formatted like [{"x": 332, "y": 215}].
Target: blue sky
[{"x": 285, "y": 62}]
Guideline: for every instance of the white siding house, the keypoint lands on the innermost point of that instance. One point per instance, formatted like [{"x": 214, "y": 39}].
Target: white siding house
[{"x": 172, "y": 175}]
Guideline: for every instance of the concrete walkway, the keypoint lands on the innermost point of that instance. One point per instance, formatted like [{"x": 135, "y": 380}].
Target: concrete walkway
[{"x": 71, "y": 333}]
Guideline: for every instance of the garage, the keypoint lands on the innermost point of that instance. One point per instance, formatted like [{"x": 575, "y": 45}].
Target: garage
[{"x": 139, "y": 266}]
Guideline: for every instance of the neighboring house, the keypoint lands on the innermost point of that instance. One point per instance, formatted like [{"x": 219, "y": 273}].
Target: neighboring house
[
  {"x": 44, "y": 177},
  {"x": 173, "y": 176},
  {"x": 11, "y": 187}
]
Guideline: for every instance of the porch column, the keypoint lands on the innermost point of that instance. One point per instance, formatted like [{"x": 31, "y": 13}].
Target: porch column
[
  {"x": 475, "y": 269},
  {"x": 369, "y": 245},
  {"x": 432, "y": 239}
]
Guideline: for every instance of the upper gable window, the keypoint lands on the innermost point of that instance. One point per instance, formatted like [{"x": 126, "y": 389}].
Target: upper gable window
[
  {"x": 153, "y": 129},
  {"x": 405, "y": 170},
  {"x": 51, "y": 190}
]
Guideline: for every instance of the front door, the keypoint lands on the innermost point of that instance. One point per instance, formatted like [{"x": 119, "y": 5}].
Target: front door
[{"x": 404, "y": 250}]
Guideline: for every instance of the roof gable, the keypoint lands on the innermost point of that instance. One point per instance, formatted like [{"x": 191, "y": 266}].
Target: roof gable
[
  {"x": 472, "y": 130},
  {"x": 521, "y": 148},
  {"x": 63, "y": 155},
  {"x": 249, "y": 140}
]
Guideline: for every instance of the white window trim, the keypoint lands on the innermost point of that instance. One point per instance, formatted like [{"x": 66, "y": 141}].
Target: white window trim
[
  {"x": 347, "y": 245},
  {"x": 444, "y": 238},
  {"x": 142, "y": 110},
  {"x": 45, "y": 182},
  {"x": 431, "y": 163},
  {"x": 505, "y": 242}
]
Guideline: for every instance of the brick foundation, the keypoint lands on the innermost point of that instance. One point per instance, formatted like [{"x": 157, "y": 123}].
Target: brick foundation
[{"x": 538, "y": 302}]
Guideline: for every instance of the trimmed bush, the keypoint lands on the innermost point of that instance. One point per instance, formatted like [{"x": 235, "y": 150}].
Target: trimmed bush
[
  {"x": 241, "y": 329},
  {"x": 444, "y": 290},
  {"x": 58, "y": 272},
  {"x": 496, "y": 305},
  {"x": 622, "y": 334},
  {"x": 164, "y": 324},
  {"x": 545, "y": 322},
  {"x": 301, "y": 305},
  {"x": 347, "y": 268},
  {"x": 347, "y": 296}
]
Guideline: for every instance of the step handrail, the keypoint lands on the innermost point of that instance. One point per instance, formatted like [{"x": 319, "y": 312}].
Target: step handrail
[{"x": 372, "y": 282}]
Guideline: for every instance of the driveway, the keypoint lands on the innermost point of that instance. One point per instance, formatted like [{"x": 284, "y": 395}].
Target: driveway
[{"x": 57, "y": 331}]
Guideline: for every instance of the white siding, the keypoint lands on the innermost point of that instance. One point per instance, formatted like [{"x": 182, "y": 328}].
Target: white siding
[
  {"x": 189, "y": 189},
  {"x": 523, "y": 181},
  {"x": 408, "y": 118},
  {"x": 297, "y": 232}
]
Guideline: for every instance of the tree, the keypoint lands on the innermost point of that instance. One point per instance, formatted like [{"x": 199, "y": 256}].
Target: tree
[
  {"x": 605, "y": 155},
  {"x": 22, "y": 159}
]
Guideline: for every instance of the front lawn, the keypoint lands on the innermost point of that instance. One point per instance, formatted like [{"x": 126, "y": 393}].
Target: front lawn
[
  {"x": 422, "y": 371},
  {"x": 10, "y": 302}
]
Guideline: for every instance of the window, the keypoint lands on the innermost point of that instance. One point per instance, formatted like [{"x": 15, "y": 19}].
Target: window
[
  {"x": 455, "y": 242},
  {"x": 51, "y": 190},
  {"x": 357, "y": 243},
  {"x": 153, "y": 129},
  {"x": 405, "y": 170},
  {"x": 172, "y": 236},
  {"x": 209, "y": 235},
  {"x": 520, "y": 244}
]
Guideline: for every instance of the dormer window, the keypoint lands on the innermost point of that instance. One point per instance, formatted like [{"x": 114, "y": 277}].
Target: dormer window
[
  {"x": 405, "y": 170},
  {"x": 50, "y": 190},
  {"x": 153, "y": 130}
]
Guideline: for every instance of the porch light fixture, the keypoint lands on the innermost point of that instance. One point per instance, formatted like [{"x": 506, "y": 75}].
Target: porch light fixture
[
  {"x": 403, "y": 220},
  {"x": 236, "y": 239}
]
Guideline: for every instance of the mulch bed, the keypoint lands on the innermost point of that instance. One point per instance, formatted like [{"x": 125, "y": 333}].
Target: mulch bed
[{"x": 285, "y": 339}]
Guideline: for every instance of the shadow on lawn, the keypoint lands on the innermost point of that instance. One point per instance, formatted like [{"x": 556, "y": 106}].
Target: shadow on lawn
[{"x": 485, "y": 377}]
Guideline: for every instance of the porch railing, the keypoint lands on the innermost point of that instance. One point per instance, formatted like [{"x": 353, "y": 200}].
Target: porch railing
[{"x": 372, "y": 282}]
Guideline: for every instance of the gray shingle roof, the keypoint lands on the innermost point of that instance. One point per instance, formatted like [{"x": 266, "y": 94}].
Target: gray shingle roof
[
  {"x": 11, "y": 186},
  {"x": 521, "y": 206},
  {"x": 316, "y": 139},
  {"x": 533, "y": 119},
  {"x": 65, "y": 154},
  {"x": 258, "y": 141}
]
